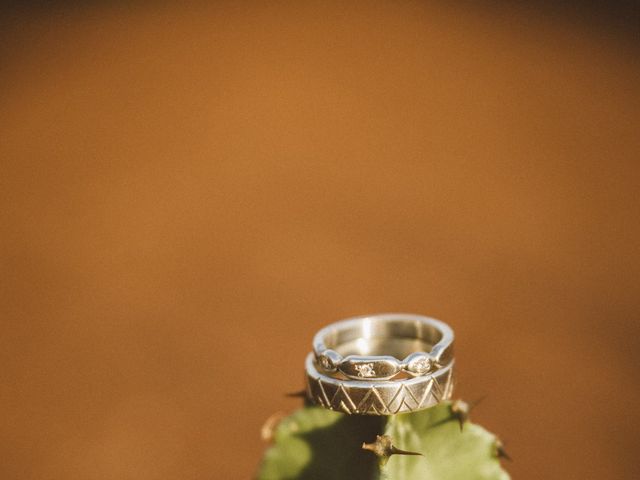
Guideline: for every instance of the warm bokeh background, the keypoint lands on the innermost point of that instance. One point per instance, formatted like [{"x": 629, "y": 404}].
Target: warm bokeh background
[{"x": 187, "y": 194}]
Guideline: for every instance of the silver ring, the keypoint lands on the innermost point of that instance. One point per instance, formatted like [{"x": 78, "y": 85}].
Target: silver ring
[
  {"x": 381, "y": 347},
  {"x": 386, "y": 397}
]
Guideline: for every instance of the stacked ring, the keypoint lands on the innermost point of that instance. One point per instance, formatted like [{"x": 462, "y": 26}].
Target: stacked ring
[{"x": 381, "y": 364}]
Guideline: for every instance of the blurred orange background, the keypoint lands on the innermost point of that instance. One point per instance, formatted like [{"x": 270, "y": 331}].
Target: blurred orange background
[{"x": 189, "y": 193}]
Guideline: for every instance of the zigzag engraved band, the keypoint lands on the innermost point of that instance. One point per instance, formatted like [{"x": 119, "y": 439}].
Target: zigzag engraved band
[{"x": 378, "y": 397}]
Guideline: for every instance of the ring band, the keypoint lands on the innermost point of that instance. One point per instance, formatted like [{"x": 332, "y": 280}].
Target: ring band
[
  {"x": 381, "y": 347},
  {"x": 378, "y": 397},
  {"x": 381, "y": 364}
]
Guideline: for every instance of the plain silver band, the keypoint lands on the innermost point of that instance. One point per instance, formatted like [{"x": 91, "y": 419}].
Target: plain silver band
[
  {"x": 381, "y": 346},
  {"x": 378, "y": 397}
]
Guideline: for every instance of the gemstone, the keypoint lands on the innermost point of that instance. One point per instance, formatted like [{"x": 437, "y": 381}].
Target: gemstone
[
  {"x": 365, "y": 370},
  {"x": 418, "y": 363}
]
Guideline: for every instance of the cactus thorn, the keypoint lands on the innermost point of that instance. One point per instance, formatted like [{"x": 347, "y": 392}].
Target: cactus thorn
[
  {"x": 270, "y": 425},
  {"x": 383, "y": 448},
  {"x": 476, "y": 402},
  {"x": 298, "y": 394},
  {"x": 460, "y": 411},
  {"x": 500, "y": 451}
]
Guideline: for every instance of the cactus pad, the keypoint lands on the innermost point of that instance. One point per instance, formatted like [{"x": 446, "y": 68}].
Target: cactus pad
[{"x": 318, "y": 444}]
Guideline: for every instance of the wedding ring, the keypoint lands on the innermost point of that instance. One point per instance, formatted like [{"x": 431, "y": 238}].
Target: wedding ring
[
  {"x": 381, "y": 364},
  {"x": 386, "y": 397},
  {"x": 384, "y": 346}
]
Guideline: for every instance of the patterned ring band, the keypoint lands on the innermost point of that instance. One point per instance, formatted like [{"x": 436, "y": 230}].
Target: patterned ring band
[
  {"x": 378, "y": 397},
  {"x": 384, "y": 346}
]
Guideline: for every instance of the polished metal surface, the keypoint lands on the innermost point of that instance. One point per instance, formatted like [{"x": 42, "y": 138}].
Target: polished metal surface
[
  {"x": 382, "y": 347},
  {"x": 381, "y": 364},
  {"x": 378, "y": 397}
]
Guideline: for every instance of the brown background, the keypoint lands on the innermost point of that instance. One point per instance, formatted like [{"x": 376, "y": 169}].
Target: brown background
[{"x": 189, "y": 193}]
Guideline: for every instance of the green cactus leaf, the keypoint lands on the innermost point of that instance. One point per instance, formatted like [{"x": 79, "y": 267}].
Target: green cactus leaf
[
  {"x": 318, "y": 444},
  {"x": 449, "y": 454}
]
